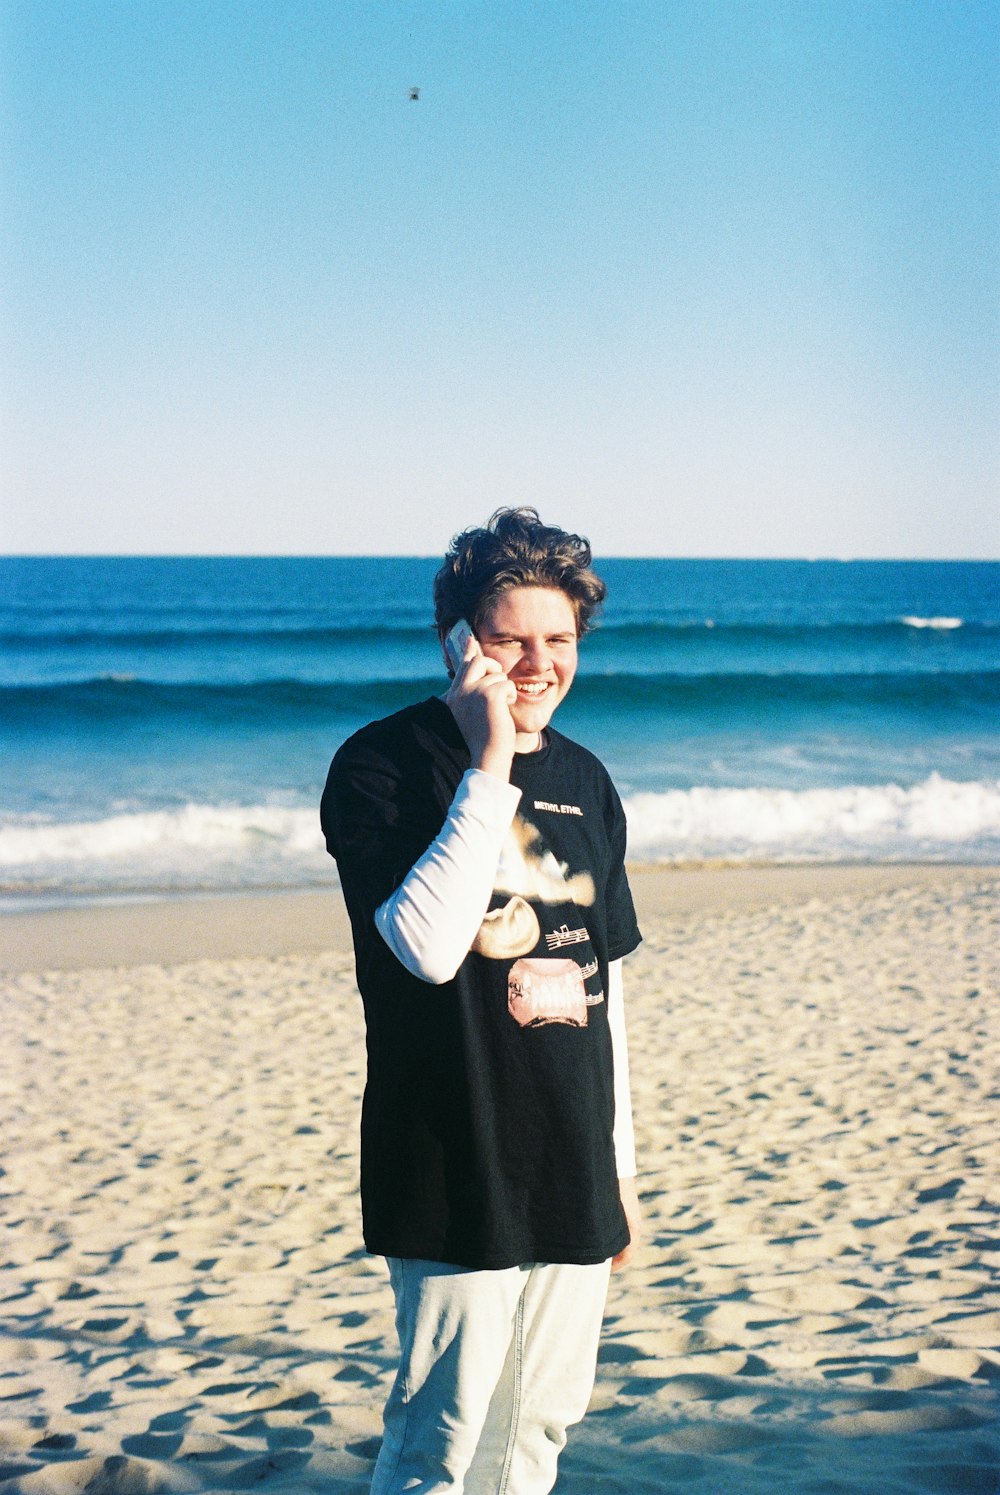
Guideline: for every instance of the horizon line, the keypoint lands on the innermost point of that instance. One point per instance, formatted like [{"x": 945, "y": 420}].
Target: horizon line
[{"x": 370, "y": 555}]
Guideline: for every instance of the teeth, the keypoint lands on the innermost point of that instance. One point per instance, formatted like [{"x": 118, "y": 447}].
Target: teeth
[{"x": 532, "y": 690}]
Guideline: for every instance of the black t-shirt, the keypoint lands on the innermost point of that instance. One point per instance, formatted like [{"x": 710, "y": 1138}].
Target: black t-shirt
[{"x": 486, "y": 1133}]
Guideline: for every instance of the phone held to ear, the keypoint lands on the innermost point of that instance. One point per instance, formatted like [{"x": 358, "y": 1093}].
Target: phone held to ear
[{"x": 455, "y": 642}]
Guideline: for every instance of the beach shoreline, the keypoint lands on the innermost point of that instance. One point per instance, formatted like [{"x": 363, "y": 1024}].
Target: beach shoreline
[{"x": 252, "y": 923}]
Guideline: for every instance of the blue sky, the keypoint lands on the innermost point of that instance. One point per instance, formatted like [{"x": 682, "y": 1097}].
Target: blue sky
[{"x": 713, "y": 278}]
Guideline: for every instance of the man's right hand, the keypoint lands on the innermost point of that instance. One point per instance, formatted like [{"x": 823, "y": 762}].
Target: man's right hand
[{"x": 479, "y": 698}]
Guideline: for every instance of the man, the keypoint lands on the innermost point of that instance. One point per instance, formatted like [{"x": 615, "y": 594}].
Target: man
[{"x": 481, "y": 855}]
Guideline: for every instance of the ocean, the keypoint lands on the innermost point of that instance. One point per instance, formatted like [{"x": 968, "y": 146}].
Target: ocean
[{"x": 167, "y": 723}]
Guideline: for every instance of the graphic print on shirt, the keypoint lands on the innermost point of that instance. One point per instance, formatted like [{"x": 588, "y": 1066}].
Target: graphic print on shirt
[{"x": 543, "y": 988}]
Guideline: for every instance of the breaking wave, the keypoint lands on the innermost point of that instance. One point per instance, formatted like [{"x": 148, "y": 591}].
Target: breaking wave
[
  {"x": 946, "y": 624},
  {"x": 231, "y": 847},
  {"x": 933, "y": 820}
]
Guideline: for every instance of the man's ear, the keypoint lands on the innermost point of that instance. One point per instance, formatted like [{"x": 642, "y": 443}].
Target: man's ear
[{"x": 442, "y": 634}]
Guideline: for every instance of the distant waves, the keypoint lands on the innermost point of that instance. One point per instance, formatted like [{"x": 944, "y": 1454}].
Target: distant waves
[
  {"x": 121, "y": 697},
  {"x": 40, "y": 634}
]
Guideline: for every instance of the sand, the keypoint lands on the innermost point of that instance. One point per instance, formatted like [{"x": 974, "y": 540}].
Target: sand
[{"x": 816, "y": 1303}]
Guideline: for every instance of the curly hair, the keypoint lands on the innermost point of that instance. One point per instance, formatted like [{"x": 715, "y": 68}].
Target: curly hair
[{"x": 514, "y": 549}]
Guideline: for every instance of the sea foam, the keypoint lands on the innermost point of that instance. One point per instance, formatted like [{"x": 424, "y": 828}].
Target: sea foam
[
  {"x": 930, "y": 820},
  {"x": 209, "y": 847},
  {"x": 229, "y": 847}
]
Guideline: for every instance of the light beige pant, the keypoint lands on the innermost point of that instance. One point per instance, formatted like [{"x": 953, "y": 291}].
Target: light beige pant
[{"x": 494, "y": 1367}]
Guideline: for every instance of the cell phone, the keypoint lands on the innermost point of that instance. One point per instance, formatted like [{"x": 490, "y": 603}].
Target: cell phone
[{"x": 455, "y": 642}]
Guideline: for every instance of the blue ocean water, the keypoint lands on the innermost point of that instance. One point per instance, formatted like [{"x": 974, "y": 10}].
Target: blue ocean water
[{"x": 166, "y": 723}]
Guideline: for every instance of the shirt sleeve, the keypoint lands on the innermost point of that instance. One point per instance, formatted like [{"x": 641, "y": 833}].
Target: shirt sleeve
[
  {"x": 624, "y": 1133},
  {"x": 623, "y": 928},
  {"x": 431, "y": 919}
]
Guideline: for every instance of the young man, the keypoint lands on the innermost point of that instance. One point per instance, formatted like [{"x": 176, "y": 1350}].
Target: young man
[{"x": 481, "y": 855}]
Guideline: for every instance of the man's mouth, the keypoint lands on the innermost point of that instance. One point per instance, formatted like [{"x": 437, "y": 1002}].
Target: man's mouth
[{"x": 531, "y": 688}]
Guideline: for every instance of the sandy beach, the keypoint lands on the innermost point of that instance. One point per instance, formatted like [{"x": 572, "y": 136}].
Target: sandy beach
[{"x": 815, "y": 1307}]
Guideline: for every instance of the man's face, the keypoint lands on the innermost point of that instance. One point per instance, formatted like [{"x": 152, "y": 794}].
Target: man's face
[{"x": 531, "y": 633}]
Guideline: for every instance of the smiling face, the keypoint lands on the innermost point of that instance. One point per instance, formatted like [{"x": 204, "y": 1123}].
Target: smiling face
[{"x": 531, "y": 633}]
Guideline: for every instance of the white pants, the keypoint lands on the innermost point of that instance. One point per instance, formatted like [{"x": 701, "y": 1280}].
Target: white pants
[{"x": 494, "y": 1366}]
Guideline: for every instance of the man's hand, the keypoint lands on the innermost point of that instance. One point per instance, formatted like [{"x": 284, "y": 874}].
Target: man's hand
[
  {"x": 480, "y": 698},
  {"x": 629, "y": 1192}
]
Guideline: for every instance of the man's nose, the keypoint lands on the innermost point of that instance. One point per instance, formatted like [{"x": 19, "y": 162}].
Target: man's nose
[{"x": 536, "y": 655}]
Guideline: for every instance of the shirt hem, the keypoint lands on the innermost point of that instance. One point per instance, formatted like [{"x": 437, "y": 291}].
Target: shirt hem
[{"x": 502, "y": 1263}]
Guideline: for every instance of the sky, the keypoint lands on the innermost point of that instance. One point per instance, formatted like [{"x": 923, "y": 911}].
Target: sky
[{"x": 693, "y": 277}]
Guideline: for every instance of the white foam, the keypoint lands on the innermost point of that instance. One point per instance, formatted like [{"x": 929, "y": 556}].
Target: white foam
[
  {"x": 936, "y": 818},
  {"x": 944, "y": 623},
  {"x": 243, "y": 846},
  {"x": 208, "y": 827},
  {"x": 197, "y": 846}
]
